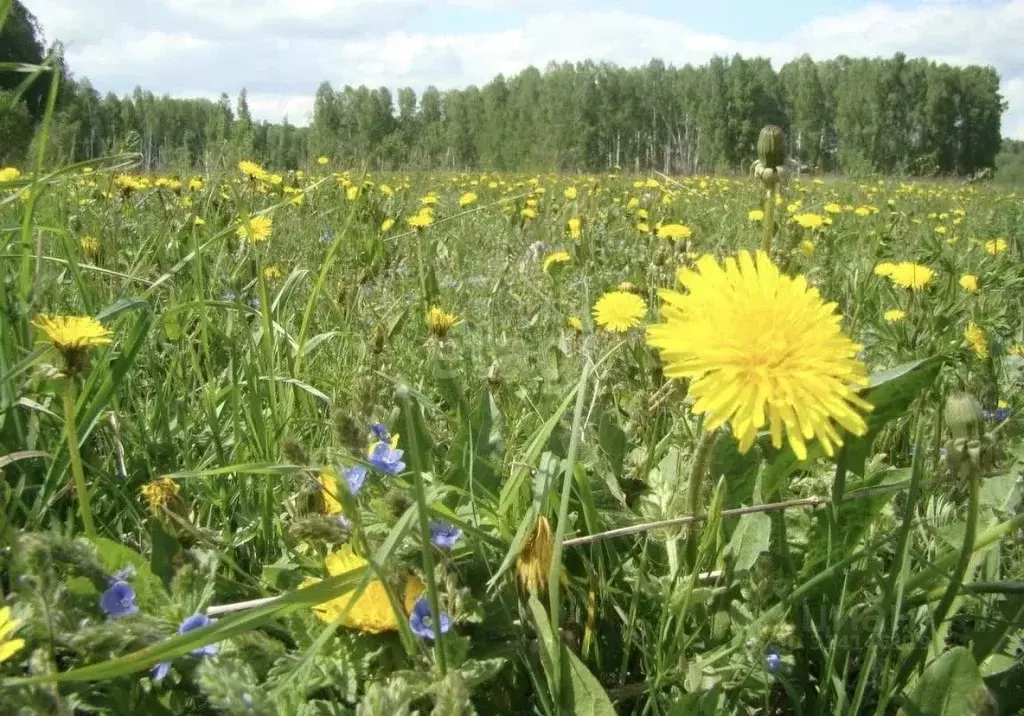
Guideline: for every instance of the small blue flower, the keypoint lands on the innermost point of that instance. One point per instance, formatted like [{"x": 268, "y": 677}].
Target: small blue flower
[
  {"x": 444, "y": 535},
  {"x": 380, "y": 432},
  {"x": 422, "y": 624},
  {"x": 995, "y": 416},
  {"x": 196, "y": 621},
  {"x": 254, "y": 303},
  {"x": 772, "y": 660},
  {"x": 355, "y": 476},
  {"x": 119, "y": 600},
  {"x": 387, "y": 459}
]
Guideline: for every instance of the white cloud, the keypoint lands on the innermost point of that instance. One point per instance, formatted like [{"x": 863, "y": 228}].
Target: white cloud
[{"x": 281, "y": 51}]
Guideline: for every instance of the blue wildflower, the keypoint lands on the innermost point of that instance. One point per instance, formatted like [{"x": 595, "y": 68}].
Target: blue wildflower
[
  {"x": 119, "y": 600},
  {"x": 444, "y": 535},
  {"x": 380, "y": 432},
  {"x": 772, "y": 660},
  {"x": 355, "y": 476},
  {"x": 387, "y": 459},
  {"x": 196, "y": 621},
  {"x": 254, "y": 303},
  {"x": 995, "y": 416},
  {"x": 422, "y": 624}
]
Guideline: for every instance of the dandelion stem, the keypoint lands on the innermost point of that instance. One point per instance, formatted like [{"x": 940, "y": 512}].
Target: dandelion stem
[
  {"x": 769, "y": 220},
  {"x": 81, "y": 488},
  {"x": 697, "y": 474}
]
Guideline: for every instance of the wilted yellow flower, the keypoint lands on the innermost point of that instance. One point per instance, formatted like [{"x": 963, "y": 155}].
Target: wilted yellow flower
[
  {"x": 627, "y": 287},
  {"x": 256, "y": 229},
  {"x": 969, "y": 283},
  {"x": 440, "y": 323},
  {"x": 90, "y": 245},
  {"x": 575, "y": 227},
  {"x": 467, "y": 199},
  {"x": 755, "y": 215},
  {"x": 557, "y": 257},
  {"x": 618, "y": 311},
  {"x": 533, "y": 564},
  {"x": 761, "y": 348},
  {"x": 894, "y": 315},
  {"x": 996, "y": 246},
  {"x": 371, "y": 612},
  {"x": 810, "y": 221},
  {"x": 977, "y": 339},
  {"x": 386, "y": 224},
  {"x": 159, "y": 493},
  {"x": 575, "y": 323},
  {"x": 674, "y": 232},
  {"x": 8, "y": 647},
  {"x": 807, "y": 247},
  {"x": 9, "y": 174}
]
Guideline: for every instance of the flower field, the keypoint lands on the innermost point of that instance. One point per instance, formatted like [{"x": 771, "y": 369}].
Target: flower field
[{"x": 334, "y": 441}]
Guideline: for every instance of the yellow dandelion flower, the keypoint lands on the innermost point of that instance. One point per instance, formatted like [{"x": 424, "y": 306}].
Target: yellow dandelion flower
[
  {"x": 807, "y": 248},
  {"x": 969, "y": 283},
  {"x": 467, "y": 199},
  {"x": 328, "y": 482},
  {"x": 440, "y": 323},
  {"x": 906, "y": 274},
  {"x": 430, "y": 199},
  {"x": 862, "y": 211},
  {"x": 618, "y": 311},
  {"x": 810, "y": 221},
  {"x": 371, "y": 612},
  {"x": 199, "y": 221},
  {"x": 674, "y": 232},
  {"x": 570, "y": 192},
  {"x": 755, "y": 215},
  {"x": 72, "y": 333},
  {"x": 996, "y": 246},
  {"x": 627, "y": 287},
  {"x": 159, "y": 494},
  {"x": 977, "y": 339},
  {"x": 643, "y": 227},
  {"x": 256, "y": 229},
  {"x": 761, "y": 348},
  {"x": 1017, "y": 349},
  {"x": 386, "y": 224},
  {"x": 575, "y": 227},
  {"x": 558, "y": 257},
  {"x": 833, "y": 208},
  {"x": 420, "y": 220},
  {"x": 941, "y": 229},
  {"x": 9, "y": 174},
  {"x": 322, "y": 161},
  {"x": 575, "y": 323},
  {"x": 9, "y": 647},
  {"x": 195, "y": 184},
  {"x": 633, "y": 203},
  {"x": 252, "y": 169},
  {"x": 529, "y": 213},
  {"x": 272, "y": 272},
  {"x": 352, "y": 193},
  {"x": 894, "y": 315},
  {"x": 533, "y": 563}
]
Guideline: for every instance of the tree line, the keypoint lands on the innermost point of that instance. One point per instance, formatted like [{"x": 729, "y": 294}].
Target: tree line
[{"x": 894, "y": 115}]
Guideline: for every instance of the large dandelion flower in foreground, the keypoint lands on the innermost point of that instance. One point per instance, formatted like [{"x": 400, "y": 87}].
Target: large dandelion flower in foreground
[
  {"x": 618, "y": 311},
  {"x": 761, "y": 348},
  {"x": 73, "y": 332},
  {"x": 371, "y": 612}
]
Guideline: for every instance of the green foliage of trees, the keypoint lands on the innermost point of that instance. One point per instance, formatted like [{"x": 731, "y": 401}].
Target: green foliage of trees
[{"x": 848, "y": 115}]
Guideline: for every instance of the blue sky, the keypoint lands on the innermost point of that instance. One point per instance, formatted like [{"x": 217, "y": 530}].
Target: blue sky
[{"x": 280, "y": 51}]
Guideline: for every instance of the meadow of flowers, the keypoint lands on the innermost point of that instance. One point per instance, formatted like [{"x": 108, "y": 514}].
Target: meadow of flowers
[{"x": 332, "y": 442}]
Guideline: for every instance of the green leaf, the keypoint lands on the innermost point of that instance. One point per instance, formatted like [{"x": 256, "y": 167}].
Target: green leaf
[
  {"x": 612, "y": 440},
  {"x": 749, "y": 539},
  {"x": 890, "y": 392},
  {"x": 950, "y": 686},
  {"x": 149, "y": 590}
]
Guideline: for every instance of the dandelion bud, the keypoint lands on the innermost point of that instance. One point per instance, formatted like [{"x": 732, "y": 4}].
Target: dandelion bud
[
  {"x": 963, "y": 415},
  {"x": 771, "y": 149}
]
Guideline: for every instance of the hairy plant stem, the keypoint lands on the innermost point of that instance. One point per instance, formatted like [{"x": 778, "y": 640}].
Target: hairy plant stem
[{"x": 70, "y": 430}]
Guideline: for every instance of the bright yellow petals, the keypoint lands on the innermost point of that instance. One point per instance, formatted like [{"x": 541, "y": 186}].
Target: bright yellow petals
[{"x": 618, "y": 311}]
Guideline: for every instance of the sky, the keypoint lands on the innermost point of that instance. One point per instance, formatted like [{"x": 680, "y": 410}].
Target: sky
[{"x": 281, "y": 50}]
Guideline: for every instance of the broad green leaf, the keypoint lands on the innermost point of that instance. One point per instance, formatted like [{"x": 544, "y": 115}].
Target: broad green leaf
[
  {"x": 750, "y": 538},
  {"x": 950, "y": 686},
  {"x": 149, "y": 591}
]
